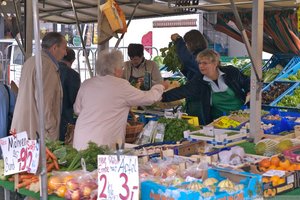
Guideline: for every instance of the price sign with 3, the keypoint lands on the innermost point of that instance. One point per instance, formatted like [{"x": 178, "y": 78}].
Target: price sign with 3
[{"x": 118, "y": 179}]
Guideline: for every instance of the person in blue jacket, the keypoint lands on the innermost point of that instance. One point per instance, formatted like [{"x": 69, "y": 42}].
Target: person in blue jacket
[
  {"x": 218, "y": 89},
  {"x": 7, "y": 105},
  {"x": 187, "y": 49}
]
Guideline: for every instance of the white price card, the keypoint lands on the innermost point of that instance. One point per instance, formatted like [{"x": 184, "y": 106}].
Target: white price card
[
  {"x": 118, "y": 179},
  {"x": 33, "y": 154},
  {"x": 14, "y": 150}
]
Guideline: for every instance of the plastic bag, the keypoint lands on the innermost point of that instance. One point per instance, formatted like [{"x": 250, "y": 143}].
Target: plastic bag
[
  {"x": 73, "y": 185},
  {"x": 110, "y": 11}
]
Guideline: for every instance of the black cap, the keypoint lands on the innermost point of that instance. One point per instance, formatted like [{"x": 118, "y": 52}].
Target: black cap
[{"x": 135, "y": 50}]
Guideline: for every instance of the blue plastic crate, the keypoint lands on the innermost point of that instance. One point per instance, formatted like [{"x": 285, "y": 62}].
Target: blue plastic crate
[
  {"x": 286, "y": 114},
  {"x": 252, "y": 187},
  {"x": 295, "y": 60},
  {"x": 288, "y": 92},
  {"x": 291, "y": 71},
  {"x": 282, "y": 59},
  {"x": 268, "y": 89}
]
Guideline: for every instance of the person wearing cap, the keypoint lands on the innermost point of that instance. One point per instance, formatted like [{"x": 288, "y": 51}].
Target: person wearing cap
[
  {"x": 138, "y": 70},
  {"x": 70, "y": 81}
]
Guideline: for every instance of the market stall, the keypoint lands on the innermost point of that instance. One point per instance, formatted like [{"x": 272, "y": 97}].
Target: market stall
[{"x": 207, "y": 182}]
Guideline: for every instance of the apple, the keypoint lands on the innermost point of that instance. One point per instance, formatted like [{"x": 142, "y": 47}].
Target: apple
[
  {"x": 68, "y": 194},
  {"x": 75, "y": 195},
  {"x": 72, "y": 184},
  {"x": 90, "y": 183},
  {"x": 86, "y": 191}
]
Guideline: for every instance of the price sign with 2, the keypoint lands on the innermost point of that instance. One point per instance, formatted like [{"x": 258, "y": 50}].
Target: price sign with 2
[{"x": 118, "y": 179}]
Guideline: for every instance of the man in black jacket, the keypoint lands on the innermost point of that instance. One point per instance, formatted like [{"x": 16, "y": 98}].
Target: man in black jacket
[{"x": 70, "y": 81}]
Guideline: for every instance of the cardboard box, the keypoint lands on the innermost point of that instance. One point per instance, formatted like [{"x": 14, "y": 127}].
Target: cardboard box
[
  {"x": 189, "y": 148},
  {"x": 291, "y": 181},
  {"x": 290, "y": 184}
]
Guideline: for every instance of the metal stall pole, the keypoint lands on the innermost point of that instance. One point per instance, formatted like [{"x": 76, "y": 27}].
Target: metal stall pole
[
  {"x": 28, "y": 29},
  {"x": 257, "y": 47},
  {"x": 40, "y": 101},
  {"x": 99, "y": 19},
  {"x": 256, "y": 82},
  {"x": 81, "y": 38},
  {"x": 13, "y": 34},
  {"x": 18, "y": 19}
]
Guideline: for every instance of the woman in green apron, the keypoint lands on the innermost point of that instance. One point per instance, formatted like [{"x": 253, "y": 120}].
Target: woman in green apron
[
  {"x": 140, "y": 71},
  {"x": 219, "y": 89}
]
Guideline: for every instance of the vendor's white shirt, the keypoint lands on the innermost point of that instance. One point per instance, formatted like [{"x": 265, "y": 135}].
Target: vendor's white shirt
[
  {"x": 221, "y": 87},
  {"x": 103, "y": 103}
]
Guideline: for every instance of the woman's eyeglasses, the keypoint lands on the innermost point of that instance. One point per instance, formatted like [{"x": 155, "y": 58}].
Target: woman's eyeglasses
[{"x": 204, "y": 63}]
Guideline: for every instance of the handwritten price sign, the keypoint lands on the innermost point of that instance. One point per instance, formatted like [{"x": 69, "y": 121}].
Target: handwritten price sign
[
  {"x": 33, "y": 154},
  {"x": 14, "y": 153},
  {"x": 118, "y": 179},
  {"x": 19, "y": 154}
]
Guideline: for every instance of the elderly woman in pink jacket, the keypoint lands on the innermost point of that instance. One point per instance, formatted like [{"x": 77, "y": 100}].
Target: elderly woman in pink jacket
[{"x": 103, "y": 102}]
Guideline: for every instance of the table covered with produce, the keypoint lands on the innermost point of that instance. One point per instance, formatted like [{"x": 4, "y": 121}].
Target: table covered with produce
[
  {"x": 170, "y": 156},
  {"x": 179, "y": 160}
]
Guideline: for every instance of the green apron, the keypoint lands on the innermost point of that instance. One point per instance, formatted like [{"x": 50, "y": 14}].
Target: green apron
[{"x": 224, "y": 102}]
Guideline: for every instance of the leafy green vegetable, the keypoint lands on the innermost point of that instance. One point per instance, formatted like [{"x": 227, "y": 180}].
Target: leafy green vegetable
[
  {"x": 64, "y": 153},
  {"x": 171, "y": 59},
  {"x": 91, "y": 153},
  {"x": 174, "y": 128}
]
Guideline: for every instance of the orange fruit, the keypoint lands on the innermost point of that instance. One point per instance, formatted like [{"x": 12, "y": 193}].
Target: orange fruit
[
  {"x": 285, "y": 164},
  {"x": 280, "y": 168},
  {"x": 265, "y": 180},
  {"x": 54, "y": 182},
  {"x": 272, "y": 167},
  {"x": 292, "y": 167},
  {"x": 61, "y": 191},
  {"x": 281, "y": 181},
  {"x": 275, "y": 161},
  {"x": 66, "y": 178},
  {"x": 275, "y": 180},
  {"x": 265, "y": 163},
  {"x": 297, "y": 167}
]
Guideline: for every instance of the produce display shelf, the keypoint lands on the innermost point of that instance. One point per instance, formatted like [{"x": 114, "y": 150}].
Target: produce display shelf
[
  {"x": 282, "y": 59},
  {"x": 295, "y": 60},
  {"x": 267, "y": 88},
  {"x": 10, "y": 186},
  {"x": 290, "y": 91},
  {"x": 291, "y": 71}
]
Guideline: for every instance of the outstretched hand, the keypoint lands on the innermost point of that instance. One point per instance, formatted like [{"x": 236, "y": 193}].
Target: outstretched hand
[{"x": 166, "y": 84}]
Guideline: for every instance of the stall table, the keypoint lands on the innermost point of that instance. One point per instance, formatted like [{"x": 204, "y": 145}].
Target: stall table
[{"x": 7, "y": 185}]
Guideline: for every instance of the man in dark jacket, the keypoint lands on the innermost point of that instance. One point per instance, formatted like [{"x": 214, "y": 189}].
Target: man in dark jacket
[{"x": 70, "y": 81}]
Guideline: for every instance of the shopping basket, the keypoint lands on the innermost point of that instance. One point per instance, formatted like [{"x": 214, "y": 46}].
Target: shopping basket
[{"x": 133, "y": 128}]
